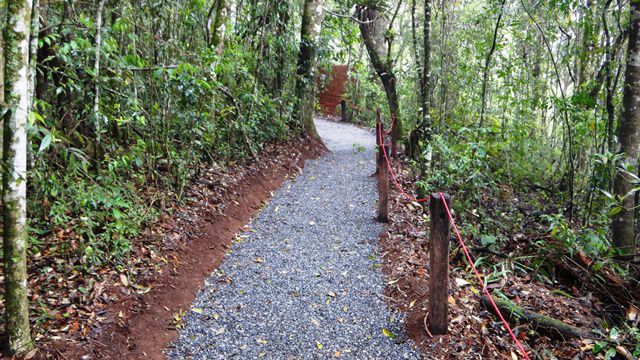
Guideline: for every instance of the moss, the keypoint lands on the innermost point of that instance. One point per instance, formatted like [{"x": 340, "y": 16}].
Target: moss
[{"x": 16, "y": 33}]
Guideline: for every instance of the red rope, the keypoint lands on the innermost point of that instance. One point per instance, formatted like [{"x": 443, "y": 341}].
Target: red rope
[
  {"x": 393, "y": 176},
  {"x": 486, "y": 291}
]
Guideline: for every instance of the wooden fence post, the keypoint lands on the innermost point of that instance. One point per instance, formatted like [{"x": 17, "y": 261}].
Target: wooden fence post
[
  {"x": 439, "y": 265},
  {"x": 383, "y": 184},
  {"x": 379, "y": 135},
  {"x": 394, "y": 137}
]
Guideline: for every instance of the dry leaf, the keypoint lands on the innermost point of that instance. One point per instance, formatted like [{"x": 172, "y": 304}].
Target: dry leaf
[{"x": 124, "y": 281}]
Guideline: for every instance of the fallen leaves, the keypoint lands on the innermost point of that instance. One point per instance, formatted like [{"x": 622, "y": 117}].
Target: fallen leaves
[{"x": 124, "y": 280}]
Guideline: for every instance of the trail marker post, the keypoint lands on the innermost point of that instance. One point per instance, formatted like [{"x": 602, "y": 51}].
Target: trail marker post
[{"x": 439, "y": 265}]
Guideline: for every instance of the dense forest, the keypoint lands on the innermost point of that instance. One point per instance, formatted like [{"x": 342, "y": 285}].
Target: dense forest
[{"x": 526, "y": 111}]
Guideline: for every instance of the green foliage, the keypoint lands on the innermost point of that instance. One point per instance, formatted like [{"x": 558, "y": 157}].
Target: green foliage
[
  {"x": 618, "y": 337},
  {"x": 364, "y": 94},
  {"x": 169, "y": 104}
]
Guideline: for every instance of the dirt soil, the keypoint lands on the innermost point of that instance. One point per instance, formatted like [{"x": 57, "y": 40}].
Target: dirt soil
[
  {"x": 141, "y": 320},
  {"x": 473, "y": 332}
]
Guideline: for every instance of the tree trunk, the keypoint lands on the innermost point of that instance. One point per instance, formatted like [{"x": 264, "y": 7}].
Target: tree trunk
[
  {"x": 608, "y": 74},
  {"x": 3, "y": 18},
  {"x": 97, "y": 117},
  {"x": 425, "y": 126},
  {"x": 485, "y": 77},
  {"x": 416, "y": 53},
  {"x": 629, "y": 138},
  {"x": 282, "y": 24},
  {"x": 14, "y": 186},
  {"x": 423, "y": 130},
  {"x": 305, "y": 85},
  {"x": 373, "y": 27},
  {"x": 216, "y": 24}
]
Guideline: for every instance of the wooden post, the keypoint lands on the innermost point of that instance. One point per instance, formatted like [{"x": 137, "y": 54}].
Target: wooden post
[
  {"x": 394, "y": 137},
  {"x": 383, "y": 185},
  {"x": 343, "y": 110},
  {"x": 379, "y": 135},
  {"x": 379, "y": 129},
  {"x": 439, "y": 265}
]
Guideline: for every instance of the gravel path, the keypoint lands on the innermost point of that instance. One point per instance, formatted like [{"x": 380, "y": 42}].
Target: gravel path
[{"x": 304, "y": 281}]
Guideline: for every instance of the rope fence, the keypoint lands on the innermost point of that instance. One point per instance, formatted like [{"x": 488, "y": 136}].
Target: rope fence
[{"x": 441, "y": 221}]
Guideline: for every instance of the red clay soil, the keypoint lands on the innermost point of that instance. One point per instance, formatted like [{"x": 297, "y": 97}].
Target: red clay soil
[
  {"x": 331, "y": 95},
  {"x": 142, "y": 325}
]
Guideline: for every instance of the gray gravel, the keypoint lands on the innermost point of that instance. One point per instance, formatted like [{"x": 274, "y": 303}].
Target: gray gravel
[{"x": 304, "y": 281}]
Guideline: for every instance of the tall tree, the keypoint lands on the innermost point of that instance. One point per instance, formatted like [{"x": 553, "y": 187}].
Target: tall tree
[
  {"x": 423, "y": 127},
  {"x": 374, "y": 30},
  {"x": 629, "y": 138},
  {"x": 97, "y": 118},
  {"x": 305, "y": 85},
  {"x": 426, "y": 71},
  {"x": 487, "y": 63},
  {"x": 14, "y": 186}
]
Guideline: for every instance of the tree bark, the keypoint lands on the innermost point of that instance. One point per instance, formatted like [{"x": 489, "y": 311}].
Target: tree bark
[
  {"x": 14, "y": 189},
  {"x": 629, "y": 139},
  {"x": 305, "y": 85},
  {"x": 373, "y": 27}
]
